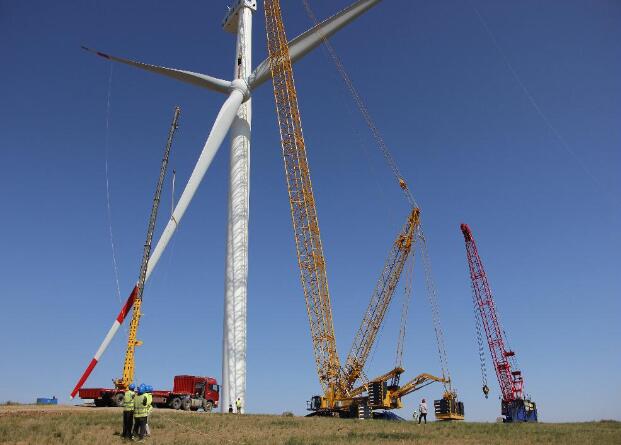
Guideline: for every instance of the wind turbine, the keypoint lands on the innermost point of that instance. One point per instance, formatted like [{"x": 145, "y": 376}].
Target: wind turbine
[{"x": 234, "y": 117}]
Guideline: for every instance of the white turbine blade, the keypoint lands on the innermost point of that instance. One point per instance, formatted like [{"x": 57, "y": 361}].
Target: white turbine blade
[
  {"x": 201, "y": 80},
  {"x": 310, "y": 39},
  {"x": 216, "y": 136},
  {"x": 220, "y": 128}
]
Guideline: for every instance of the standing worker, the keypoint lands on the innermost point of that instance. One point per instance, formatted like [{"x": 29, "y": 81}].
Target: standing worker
[
  {"x": 149, "y": 396},
  {"x": 142, "y": 385},
  {"x": 423, "y": 411},
  {"x": 128, "y": 411},
  {"x": 238, "y": 405},
  {"x": 140, "y": 412}
]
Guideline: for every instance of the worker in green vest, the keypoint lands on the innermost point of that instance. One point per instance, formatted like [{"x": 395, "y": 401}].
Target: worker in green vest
[
  {"x": 141, "y": 410},
  {"x": 238, "y": 405},
  {"x": 128, "y": 411},
  {"x": 149, "y": 396}
]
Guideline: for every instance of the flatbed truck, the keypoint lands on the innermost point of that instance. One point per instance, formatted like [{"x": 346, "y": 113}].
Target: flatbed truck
[{"x": 189, "y": 393}]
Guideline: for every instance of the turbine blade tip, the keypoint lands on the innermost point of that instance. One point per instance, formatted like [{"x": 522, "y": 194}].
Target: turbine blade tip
[{"x": 100, "y": 54}]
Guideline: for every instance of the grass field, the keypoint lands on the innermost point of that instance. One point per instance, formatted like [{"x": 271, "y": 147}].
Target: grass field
[{"x": 82, "y": 425}]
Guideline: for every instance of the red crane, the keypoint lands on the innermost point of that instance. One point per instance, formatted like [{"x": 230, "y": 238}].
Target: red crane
[{"x": 514, "y": 405}]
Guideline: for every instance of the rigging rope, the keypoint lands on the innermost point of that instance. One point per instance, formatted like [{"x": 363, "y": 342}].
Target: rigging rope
[
  {"x": 407, "y": 296},
  {"x": 544, "y": 117},
  {"x": 363, "y": 110},
  {"x": 435, "y": 310},
  {"x": 172, "y": 193},
  {"x": 109, "y": 207}
]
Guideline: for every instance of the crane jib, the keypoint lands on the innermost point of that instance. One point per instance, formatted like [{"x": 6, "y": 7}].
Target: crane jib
[{"x": 380, "y": 300}]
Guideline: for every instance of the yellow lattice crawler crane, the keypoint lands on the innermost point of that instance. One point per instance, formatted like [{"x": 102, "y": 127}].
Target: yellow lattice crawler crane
[
  {"x": 340, "y": 395},
  {"x": 448, "y": 408}
]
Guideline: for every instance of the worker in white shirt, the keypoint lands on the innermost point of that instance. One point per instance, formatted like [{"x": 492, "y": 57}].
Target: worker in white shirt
[{"x": 422, "y": 408}]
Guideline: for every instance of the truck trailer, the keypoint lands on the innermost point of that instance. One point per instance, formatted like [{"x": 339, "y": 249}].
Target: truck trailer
[{"x": 189, "y": 393}]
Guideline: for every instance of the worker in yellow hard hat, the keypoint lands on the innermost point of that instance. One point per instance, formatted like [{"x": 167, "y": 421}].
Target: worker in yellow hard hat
[{"x": 128, "y": 411}]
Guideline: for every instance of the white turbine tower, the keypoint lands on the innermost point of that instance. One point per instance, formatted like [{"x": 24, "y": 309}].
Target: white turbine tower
[{"x": 234, "y": 117}]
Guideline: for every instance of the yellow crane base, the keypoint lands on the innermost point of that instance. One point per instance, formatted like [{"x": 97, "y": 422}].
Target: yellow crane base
[
  {"x": 449, "y": 408},
  {"x": 449, "y": 416}
]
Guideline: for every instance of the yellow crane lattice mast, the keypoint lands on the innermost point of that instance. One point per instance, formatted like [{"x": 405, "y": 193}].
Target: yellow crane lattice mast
[
  {"x": 311, "y": 260},
  {"x": 380, "y": 300}
]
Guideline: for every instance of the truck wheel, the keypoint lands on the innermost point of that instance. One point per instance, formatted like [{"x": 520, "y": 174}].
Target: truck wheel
[
  {"x": 186, "y": 404},
  {"x": 207, "y": 405},
  {"x": 175, "y": 403},
  {"x": 117, "y": 399}
]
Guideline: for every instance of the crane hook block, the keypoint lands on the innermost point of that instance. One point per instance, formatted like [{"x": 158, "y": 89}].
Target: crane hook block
[{"x": 485, "y": 390}]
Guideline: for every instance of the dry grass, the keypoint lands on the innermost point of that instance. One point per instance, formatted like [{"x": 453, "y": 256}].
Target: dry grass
[{"x": 71, "y": 425}]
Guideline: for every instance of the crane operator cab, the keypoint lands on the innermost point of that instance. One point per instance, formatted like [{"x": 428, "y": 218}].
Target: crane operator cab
[{"x": 314, "y": 404}]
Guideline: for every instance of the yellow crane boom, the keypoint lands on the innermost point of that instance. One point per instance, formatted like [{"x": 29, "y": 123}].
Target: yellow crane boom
[
  {"x": 382, "y": 378},
  {"x": 380, "y": 300},
  {"x": 416, "y": 383},
  {"x": 311, "y": 260}
]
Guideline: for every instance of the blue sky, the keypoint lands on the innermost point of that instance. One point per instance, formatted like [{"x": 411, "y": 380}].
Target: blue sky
[{"x": 540, "y": 192}]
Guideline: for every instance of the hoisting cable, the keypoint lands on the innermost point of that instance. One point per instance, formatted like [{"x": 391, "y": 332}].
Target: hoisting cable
[
  {"x": 171, "y": 250},
  {"x": 172, "y": 193},
  {"x": 435, "y": 311},
  {"x": 539, "y": 111},
  {"x": 363, "y": 110},
  {"x": 407, "y": 296},
  {"x": 108, "y": 205},
  {"x": 478, "y": 327}
]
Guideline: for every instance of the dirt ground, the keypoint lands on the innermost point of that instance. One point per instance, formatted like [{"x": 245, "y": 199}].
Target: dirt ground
[{"x": 27, "y": 424}]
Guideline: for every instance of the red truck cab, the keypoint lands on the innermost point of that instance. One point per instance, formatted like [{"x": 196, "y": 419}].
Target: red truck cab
[{"x": 190, "y": 393}]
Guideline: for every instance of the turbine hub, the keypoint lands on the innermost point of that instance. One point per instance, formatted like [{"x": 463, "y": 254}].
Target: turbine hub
[{"x": 242, "y": 86}]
